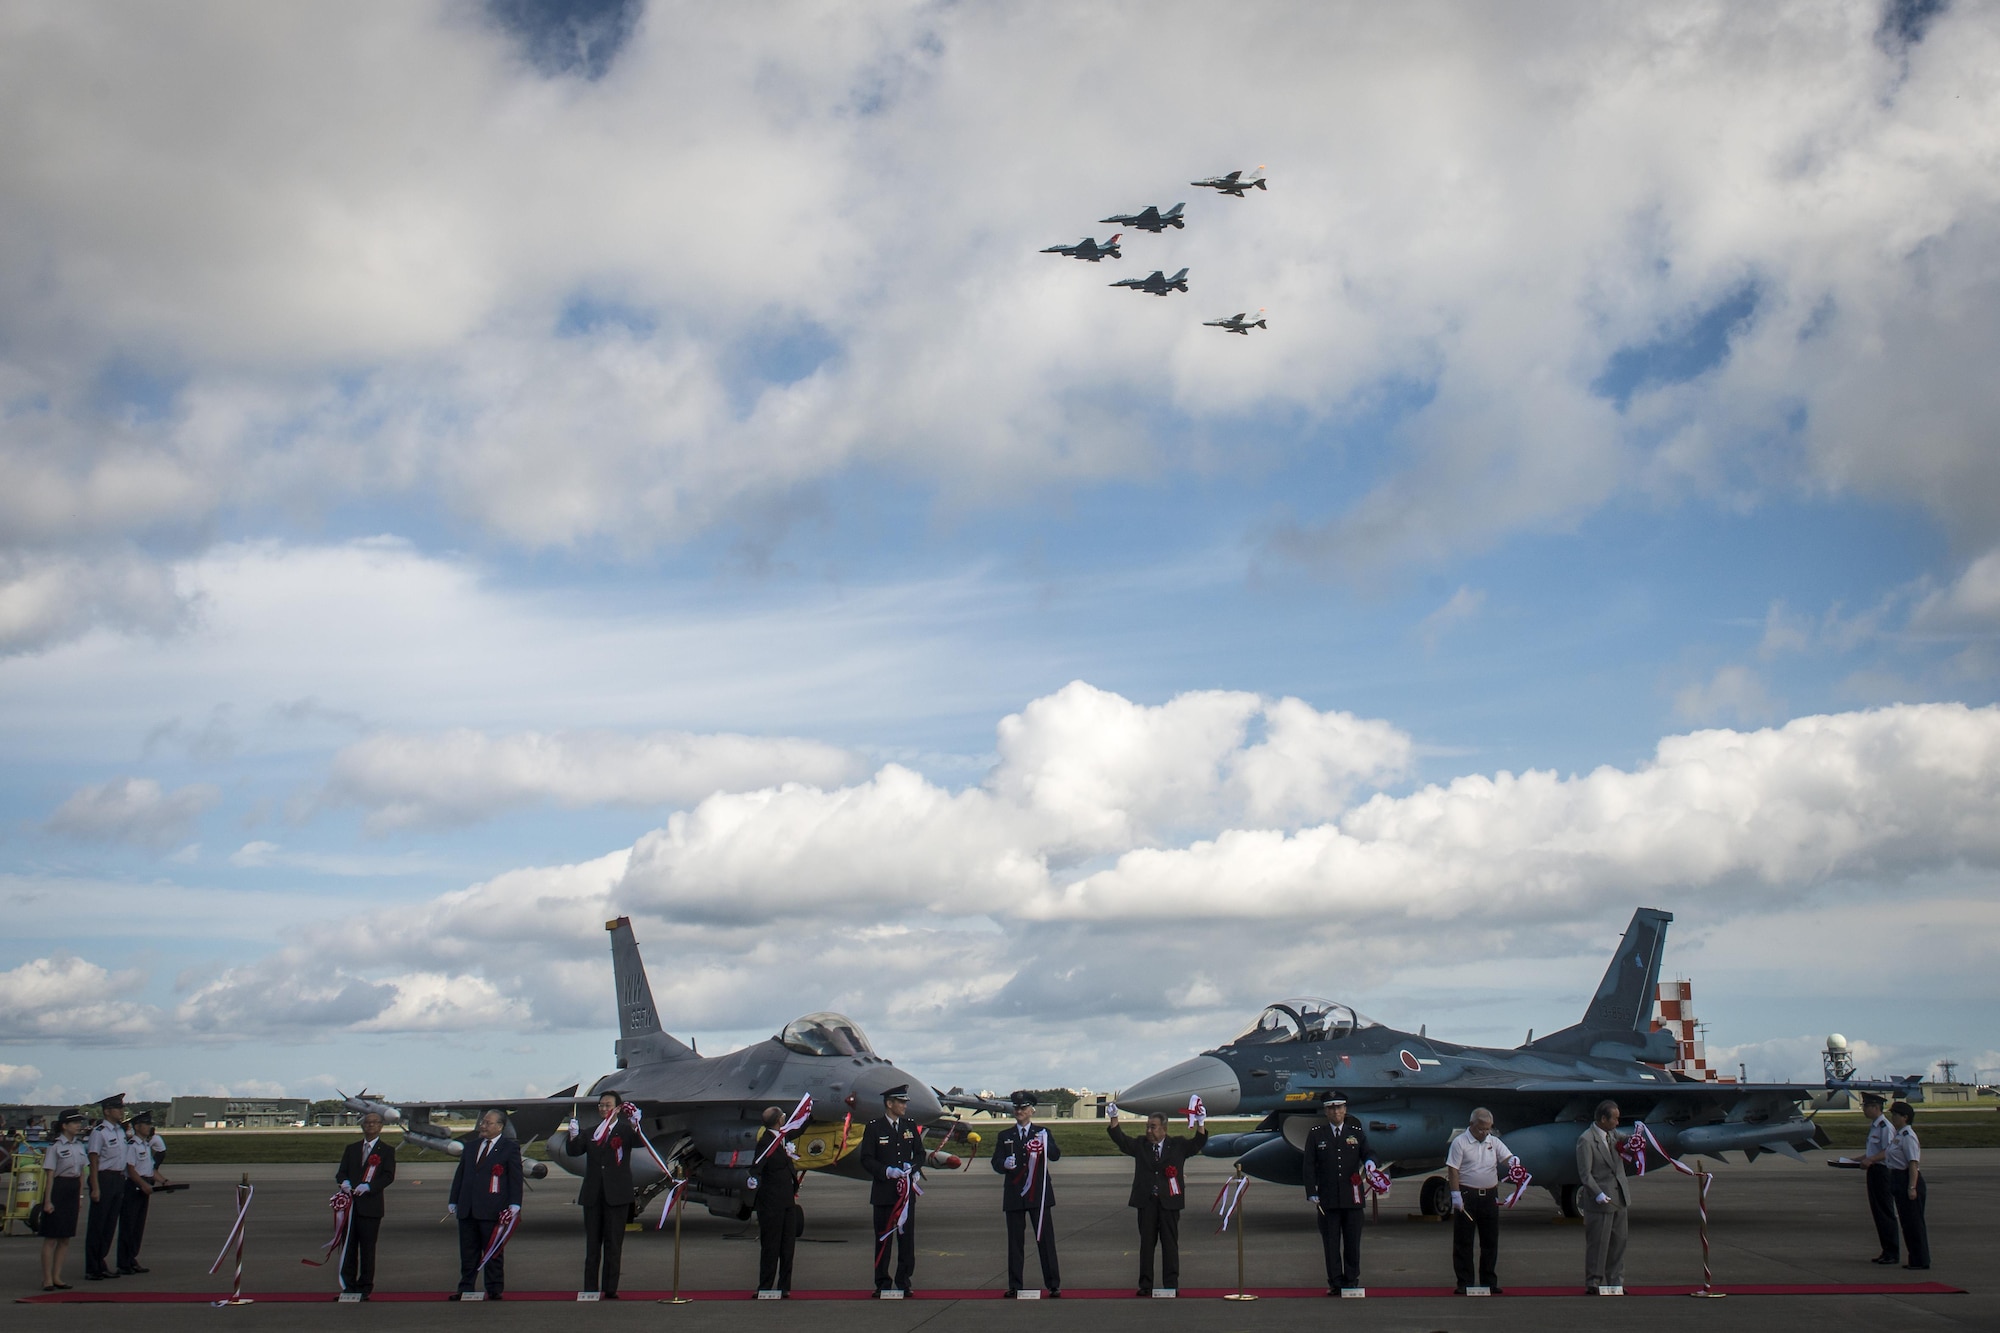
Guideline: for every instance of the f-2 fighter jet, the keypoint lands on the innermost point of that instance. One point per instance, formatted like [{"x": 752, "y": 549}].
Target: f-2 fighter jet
[
  {"x": 1234, "y": 183},
  {"x": 1151, "y": 219},
  {"x": 1088, "y": 248},
  {"x": 1237, "y": 323},
  {"x": 1157, "y": 282}
]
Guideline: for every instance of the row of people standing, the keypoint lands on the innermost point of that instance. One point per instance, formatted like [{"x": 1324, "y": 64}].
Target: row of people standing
[{"x": 117, "y": 1165}]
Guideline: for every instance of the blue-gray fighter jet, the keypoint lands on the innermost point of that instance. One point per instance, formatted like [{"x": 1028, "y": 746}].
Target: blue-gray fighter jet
[
  {"x": 1413, "y": 1093},
  {"x": 1089, "y": 249},
  {"x": 1157, "y": 282},
  {"x": 700, "y": 1113},
  {"x": 1151, "y": 219},
  {"x": 1235, "y": 183}
]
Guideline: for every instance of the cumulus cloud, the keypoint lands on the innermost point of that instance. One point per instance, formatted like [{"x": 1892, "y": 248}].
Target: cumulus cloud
[
  {"x": 463, "y": 776},
  {"x": 67, "y": 999},
  {"x": 16, "y": 1080},
  {"x": 46, "y": 600},
  {"x": 1181, "y": 861},
  {"x": 1699, "y": 249},
  {"x": 135, "y": 810}
]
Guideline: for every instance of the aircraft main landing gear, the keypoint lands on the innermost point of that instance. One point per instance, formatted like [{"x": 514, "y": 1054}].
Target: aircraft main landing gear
[
  {"x": 1566, "y": 1200},
  {"x": 1434, "y": 1200}
]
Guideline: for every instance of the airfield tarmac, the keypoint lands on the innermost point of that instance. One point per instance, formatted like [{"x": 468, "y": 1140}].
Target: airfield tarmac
[{"x": 1772, "y": 1222}]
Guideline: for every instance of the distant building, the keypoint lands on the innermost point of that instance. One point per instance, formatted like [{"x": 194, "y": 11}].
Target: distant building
[{"x": 237, "y": 1112}]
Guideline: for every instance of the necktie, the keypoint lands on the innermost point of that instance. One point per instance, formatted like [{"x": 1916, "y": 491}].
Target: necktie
[{"x": 484, "y": 1144}]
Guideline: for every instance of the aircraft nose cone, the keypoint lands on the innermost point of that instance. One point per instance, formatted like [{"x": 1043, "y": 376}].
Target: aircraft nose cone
[{"x": 1204, "y": 1076}]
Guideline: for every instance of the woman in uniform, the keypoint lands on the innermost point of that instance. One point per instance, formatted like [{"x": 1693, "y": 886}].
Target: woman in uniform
[
  {"x": 64, "y": 1163},
  {"x": 1906, "y": 1182}
]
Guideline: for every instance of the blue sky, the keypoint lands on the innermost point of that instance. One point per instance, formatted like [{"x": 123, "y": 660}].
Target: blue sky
[{"x": 637, "y": 462}]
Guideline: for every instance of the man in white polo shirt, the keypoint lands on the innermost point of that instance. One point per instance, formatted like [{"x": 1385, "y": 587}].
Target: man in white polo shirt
[{"x": 1475, "y": 1163}]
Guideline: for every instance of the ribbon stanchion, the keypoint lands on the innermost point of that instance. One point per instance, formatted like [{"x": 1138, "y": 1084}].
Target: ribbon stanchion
[
  {"x": 1229, "y": 1207},
  {"x": 238, "y": 1231},
  {"x": 1701, "y": 1179},
  {"x": 676, "y": 1203},
  {"x": 1634, "y": 1150}
]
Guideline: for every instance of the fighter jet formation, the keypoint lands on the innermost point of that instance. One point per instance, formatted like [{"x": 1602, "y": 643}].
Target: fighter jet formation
[{"x": 1152, "y": 221}]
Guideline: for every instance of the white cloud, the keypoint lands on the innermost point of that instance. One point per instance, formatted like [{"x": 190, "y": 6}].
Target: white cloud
[
  {"x": 46, "y": 600},
  {"x": 1460, "y": 607},
  {"x": 463, "y": 776},
  {"x": 16, "y": 1080},
  {"x": 65, "y": 998},
  {"x": 136, "y": 810},
  {"x": 568, "y": 309},
  {"x": 1970, "y": 603}
]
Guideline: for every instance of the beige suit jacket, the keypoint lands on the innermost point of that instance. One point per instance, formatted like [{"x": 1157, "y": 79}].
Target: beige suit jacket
[{"x": 1600, "y": 1169}]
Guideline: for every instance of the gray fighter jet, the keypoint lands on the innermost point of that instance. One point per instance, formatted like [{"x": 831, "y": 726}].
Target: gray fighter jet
[
  {"x": 1088, "y": 248},
  {"x": 1152, "y": 219},
  {"x": 1237, "y": 323},
  {"x": 701, "y": 1114},
  {"x": 1235, "y": 183},
  {"x": 1157, "y": 282},
  {"x": 1413, "y": 1093}
]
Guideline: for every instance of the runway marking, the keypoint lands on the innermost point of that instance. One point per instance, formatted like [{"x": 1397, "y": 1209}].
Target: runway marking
[{"x": 994, "y": 1294}]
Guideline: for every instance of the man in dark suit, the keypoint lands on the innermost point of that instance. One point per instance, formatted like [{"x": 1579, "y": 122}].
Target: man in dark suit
[
  {"x": 1022, "y": 1154},
  {"x": 1159, "y": 1192},
  {"x": 1334, "y": 1152},
  {"x": 892, "y": 1151},
  {"x": 774, "y": 1182},
  {"x": 485, "y": 1192},
  {"x": 607, "y": 1192},
  {"x": 367, "y": 1168}
]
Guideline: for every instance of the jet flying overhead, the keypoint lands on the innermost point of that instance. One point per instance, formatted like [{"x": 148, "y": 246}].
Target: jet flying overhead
[
  {"x": 1151, "y": 219},
  {"x": 1157, "y": 282},
  {"x": 1235, "y": 183},
  {"x": 1089, "y": 249},
  {"x": 1413, "y": 1092},
  {"x": 701, "y": 1114},
  {"x": 1237, "y": 323}
]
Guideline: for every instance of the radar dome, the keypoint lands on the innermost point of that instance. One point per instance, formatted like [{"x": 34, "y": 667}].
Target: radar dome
[{"x": 1836, "y": 1042}]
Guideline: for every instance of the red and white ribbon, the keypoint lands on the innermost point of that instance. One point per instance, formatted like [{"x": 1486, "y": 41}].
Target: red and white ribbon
[
  {"x": 1229, "y": 1199},
  {"x": 1633, "y": 1150},
  {"x": 342, "y": 1204},
  {"x": 794, "y": 1122},
  {"x": 1518, "y": 1177},
  {"x": 908, "y": 1188},
  {"x": 234, "y": 1239},
  {"x": 668, "y": 1200},
  {"x": 502, "y": 1229},
  {"x": 1197, "y": 1114},
  {"x": 1375, "y": 1178},
  {"x": 1033, "y": 1173}
]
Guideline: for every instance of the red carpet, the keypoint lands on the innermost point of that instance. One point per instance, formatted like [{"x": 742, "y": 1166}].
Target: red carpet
[{"x": 987, "y": 1294}]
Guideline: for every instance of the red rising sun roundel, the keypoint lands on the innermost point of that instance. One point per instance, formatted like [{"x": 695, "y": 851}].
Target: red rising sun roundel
[{"x": 1410, "y": 1063}]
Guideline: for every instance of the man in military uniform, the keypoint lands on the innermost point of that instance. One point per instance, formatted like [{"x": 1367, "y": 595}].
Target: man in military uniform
[
  {"x": 892, "y": 1151},
  {"x": 1022, "y": 1154},
  {"x": 1881, "y": 1199},
  {"x": 1335, "y": 1150},
  {"x": 109, "y": 1173},
  {"x": 1159, "y": 1191},
  {"x": 367, "y": 1168},
  {"x": 774, "y": 1185},
  {"x": 606, "y": 1193},
  {"x": 145, "y": 1150}
]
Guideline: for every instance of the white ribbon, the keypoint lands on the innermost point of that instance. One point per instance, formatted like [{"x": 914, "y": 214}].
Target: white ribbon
[
  {"x": 1229, "y": 1199},
  {"x": 235, "y": 1228},
  {"x": 793, "y": 1123}
]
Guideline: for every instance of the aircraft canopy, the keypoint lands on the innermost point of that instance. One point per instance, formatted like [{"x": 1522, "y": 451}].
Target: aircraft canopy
[
  {"x": 1305, "y": 1018},
  {"x": 825, "y": 1034}
]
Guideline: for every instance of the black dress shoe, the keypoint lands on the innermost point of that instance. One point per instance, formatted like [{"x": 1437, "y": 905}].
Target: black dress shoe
[
  {"x": 1142, "y": 1292},
  {"x": 1010, "y": 1295},
  {"x": 98, "y": 1277},
  {"x": 1591, "y": 1291},
  {"x": 1055, "y": 1293},
  {"x": 1497, "y": 1291},
  {"x": 1887, "y": 1259},
  {"x": 456, "y": 1296},
  {"x": 610, "y": 1296},
  {"x": 1458, "y": 1291},
  {"x": 495, "y": 1296}
]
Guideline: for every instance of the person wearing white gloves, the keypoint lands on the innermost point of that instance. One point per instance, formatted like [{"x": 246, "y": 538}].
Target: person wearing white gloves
[
  {"x": 892, "y": 1153},
  {"x": 1604, "y": 1200},
  {"x": 486, "y": 1186},
  {"x": 1475, "y": 1165},
  {"x": 1022, "y": 1154},
  {"x": 606, "y": 1194},
  {"x": 367, "y": 1169}
]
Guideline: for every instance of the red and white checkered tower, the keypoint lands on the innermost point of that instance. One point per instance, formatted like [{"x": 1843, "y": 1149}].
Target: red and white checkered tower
[{"x": 1674, "y": 1011}]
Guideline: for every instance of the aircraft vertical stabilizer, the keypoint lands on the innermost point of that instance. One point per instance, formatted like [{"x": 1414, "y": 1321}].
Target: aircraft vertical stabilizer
[
  {"x": 1621, "y": 1013},
  {"x": 641, "y": 1039}
]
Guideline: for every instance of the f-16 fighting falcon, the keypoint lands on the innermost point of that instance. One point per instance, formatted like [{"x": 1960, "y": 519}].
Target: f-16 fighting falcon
[
  {"x": 1151, "y": 219},
  {"x": 1412, "y": 1092},
  {"x": 1089, "y": 249},
  {"x": 1235, "y": 183},
  {"x": 699, "y": 1116},
  {"x": 1236, "y": 323},
  {"x": 1157, "y": 282}
]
